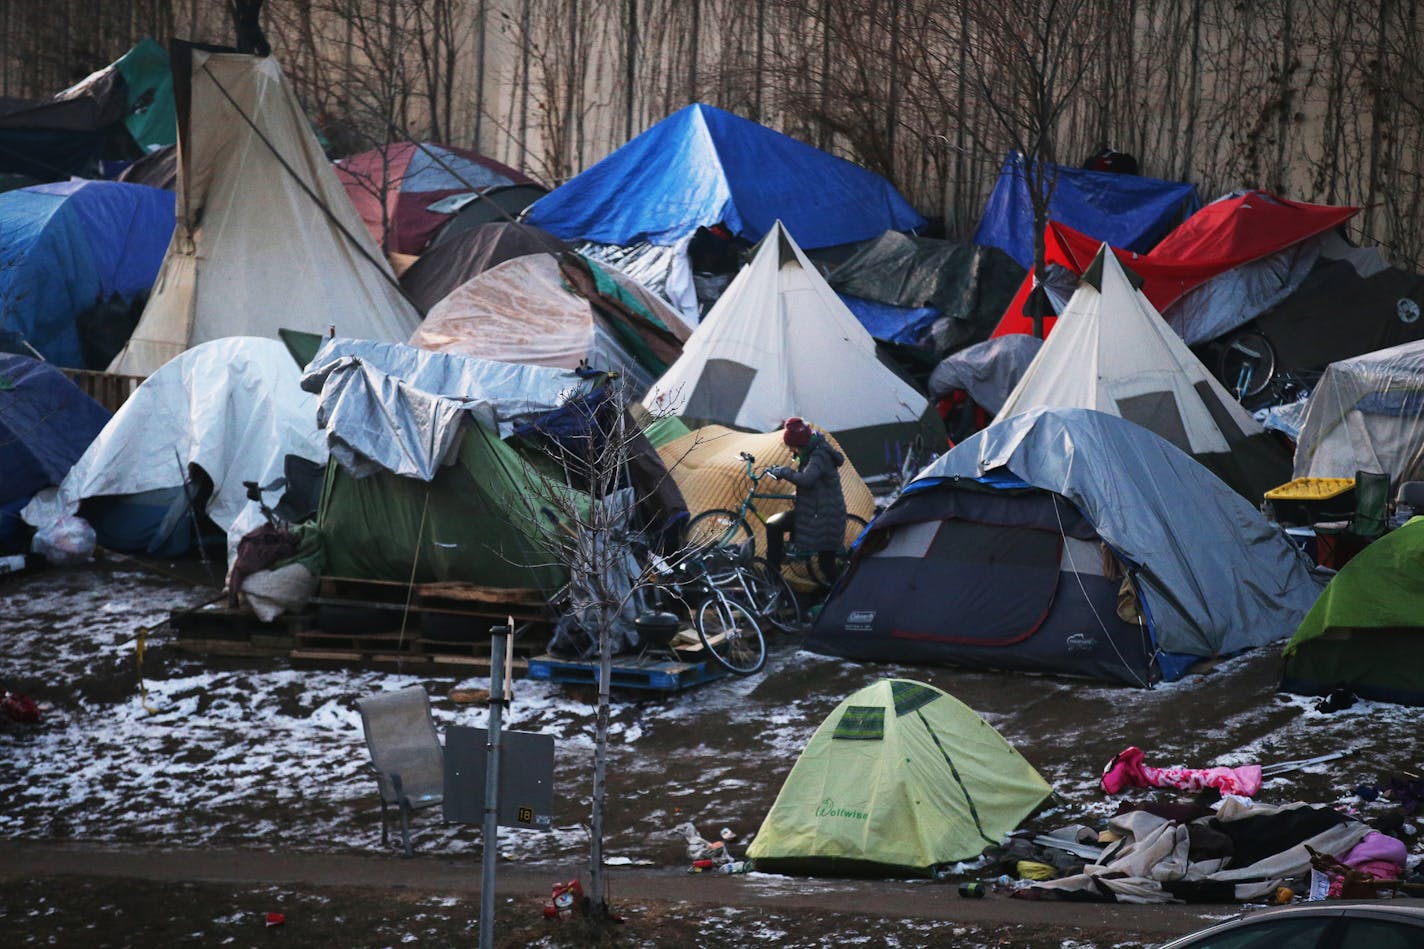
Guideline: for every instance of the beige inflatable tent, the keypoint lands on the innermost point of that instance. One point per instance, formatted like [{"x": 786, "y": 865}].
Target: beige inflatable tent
[{"x": 266, "y": 237}]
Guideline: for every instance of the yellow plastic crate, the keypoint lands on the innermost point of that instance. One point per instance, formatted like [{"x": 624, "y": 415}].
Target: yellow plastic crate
[{"x": 1311, "y": 489}]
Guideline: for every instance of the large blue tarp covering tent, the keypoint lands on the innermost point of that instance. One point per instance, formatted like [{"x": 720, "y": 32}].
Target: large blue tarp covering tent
[
  {"x": 46, "y": 423},
  {"x": 1126, "y": 211},
  {"x": 66, "y": 246},
  {"x": 702, "y": 166}
]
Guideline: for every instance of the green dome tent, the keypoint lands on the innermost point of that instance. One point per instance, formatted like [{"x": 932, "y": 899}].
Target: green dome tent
[
  {"x": 900, "y": 778},
  {"x": 1366, "y": 632}
]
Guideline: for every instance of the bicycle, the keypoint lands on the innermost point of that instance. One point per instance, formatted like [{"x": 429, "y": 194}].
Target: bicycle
[
  {"x": 724, "y": 528},
  {"x": 726, "y": 628}
]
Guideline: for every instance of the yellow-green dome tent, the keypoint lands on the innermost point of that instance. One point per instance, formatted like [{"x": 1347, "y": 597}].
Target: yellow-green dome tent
[{"x": 901, "y": 777}]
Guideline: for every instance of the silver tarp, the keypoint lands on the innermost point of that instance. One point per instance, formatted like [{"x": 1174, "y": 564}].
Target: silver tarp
[
  {"x": 988, "y": 371},
  {"x": 1215, "y": 576},
  {"x": 392, "y": 407}
]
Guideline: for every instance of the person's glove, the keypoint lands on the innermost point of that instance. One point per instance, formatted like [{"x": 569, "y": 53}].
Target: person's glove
[{"x": 777, "y": 471}]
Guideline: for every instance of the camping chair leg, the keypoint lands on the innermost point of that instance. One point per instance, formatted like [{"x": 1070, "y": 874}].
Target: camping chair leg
[
  {"x": 404, "y": 804},
  {"x": 405, "y": 827},
  {"x": 385, "y": 823}
]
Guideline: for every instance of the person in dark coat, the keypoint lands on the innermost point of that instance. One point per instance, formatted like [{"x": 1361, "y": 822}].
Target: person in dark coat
[{"x": 817, "y": 523}]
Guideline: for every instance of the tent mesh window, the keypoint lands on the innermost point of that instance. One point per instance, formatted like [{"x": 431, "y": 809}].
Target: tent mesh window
[
  {"x": 1157, "y": 412},
  {"x": 909, "y": 696},
  {"x": 721, "y": 390},
  {"x": 861, "y": 723}
]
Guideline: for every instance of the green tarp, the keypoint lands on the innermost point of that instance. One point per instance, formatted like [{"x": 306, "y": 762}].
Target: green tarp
[
  {"x": 1366, "y": 632},
  {"x": 152, "y": 119},
  {"x": 480, "y": 521},
  {"x": 900, "y": 778}
]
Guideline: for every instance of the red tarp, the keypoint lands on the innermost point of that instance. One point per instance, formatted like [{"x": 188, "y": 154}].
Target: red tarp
[
  {"x": 1225, "y": 234},
  {"x": 412, "y": 177}
]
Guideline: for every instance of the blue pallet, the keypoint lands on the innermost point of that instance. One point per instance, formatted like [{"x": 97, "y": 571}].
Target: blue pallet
[{"x": 647, "y": 674}]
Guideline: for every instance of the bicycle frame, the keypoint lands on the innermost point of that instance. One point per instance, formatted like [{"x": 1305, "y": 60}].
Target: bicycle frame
[{"x": 749, "y": 502}]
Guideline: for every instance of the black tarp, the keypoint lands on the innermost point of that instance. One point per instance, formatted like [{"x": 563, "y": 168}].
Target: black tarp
[{"x": 470, "y": 253}]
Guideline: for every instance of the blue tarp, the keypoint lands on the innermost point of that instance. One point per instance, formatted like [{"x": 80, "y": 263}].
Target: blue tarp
[
  {"x": 894, "y": 324},
  {"x": 64, "y": 246},
  {"x": 46, "y": 423},
  {"x": 701, "y": 166},
  {"x": 1126, "y": 211}
]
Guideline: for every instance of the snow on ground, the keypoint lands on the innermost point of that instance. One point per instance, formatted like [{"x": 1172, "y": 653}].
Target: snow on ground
[{"x": 255, "y": 753}]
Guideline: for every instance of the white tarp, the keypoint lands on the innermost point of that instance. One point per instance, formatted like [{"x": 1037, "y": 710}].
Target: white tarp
[
  {"x": 391, "y": 407},
  {"x": 522, "y": 311},
  {"x": 266, "y": 237},
  {"x": 1111, "y": 351},
  {"x": 1366, "y": 414},
  {"x": 233, "y": 407},
  {"x": 1215, "y": 575},
  {"x": 780, "y": 343}
]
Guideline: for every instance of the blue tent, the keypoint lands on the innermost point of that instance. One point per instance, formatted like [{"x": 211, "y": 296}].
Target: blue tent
[
  {"x": 67, "y": 245},
  {"x": 46, "y": 423},
  {"x": 1126, "y": 211},
  {"x": 701, "y": 166}
]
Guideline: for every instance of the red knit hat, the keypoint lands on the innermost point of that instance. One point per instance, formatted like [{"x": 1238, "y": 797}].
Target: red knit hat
[{"x": 796, "y": 433}]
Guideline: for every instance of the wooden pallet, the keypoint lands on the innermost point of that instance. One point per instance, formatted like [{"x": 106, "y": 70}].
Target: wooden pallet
[
  {"x": 366, "y": 624},
  {"x": 646, "y": 674}
]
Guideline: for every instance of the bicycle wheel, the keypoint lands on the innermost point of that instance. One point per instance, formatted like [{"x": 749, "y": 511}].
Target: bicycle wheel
[
  {"x": 731, "y": 635},
  {"x": 774, "y": 600},
  {"x": 719, "y": 527}
]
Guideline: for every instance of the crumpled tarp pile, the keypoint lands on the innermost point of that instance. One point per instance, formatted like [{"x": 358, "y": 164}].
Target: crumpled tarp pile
[{"x": 1243, "y": 852}]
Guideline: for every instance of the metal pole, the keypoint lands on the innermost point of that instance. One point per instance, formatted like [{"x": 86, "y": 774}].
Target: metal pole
[{"x": 499, "y": 644}]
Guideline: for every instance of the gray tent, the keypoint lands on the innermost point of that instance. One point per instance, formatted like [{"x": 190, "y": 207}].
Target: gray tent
[{"x": 1210, "y": 576}]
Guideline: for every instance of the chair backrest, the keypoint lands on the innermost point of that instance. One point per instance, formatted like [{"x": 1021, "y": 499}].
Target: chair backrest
[
  {"x": 1371, "y": 504},
  {"x": 1411, "y": 494},
  {"x": 401, "y": 736}
]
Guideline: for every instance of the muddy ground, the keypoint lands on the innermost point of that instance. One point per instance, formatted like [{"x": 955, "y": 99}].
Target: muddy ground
[{"x": 252, "y": 761}]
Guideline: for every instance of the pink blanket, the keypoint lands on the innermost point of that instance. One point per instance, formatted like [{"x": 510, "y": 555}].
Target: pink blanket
[{"x": 1128, "y": 771}]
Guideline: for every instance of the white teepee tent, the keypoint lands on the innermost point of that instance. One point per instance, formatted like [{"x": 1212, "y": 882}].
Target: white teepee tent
[
  {"x": 266, "y": 237},
  {"x": 1111, "y": 351},
  {"x": 778, "y": 343}
]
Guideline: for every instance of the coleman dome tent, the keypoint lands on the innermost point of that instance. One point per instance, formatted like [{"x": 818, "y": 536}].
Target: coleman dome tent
[
  {"x": 1111, "y": 351},
  {"x": 1366, "y": 414},
  {"x": 1366, "y": 632},
  {"x": 780, "y": 343},
  {"x": 1066, "y": 541},
  {"x": 900, "y": 778},
  {"x": 266, "y": 237}
]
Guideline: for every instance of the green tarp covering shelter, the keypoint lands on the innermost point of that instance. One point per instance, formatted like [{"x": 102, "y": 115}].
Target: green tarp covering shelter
[
  {"x": 1366, "y": 632},
  {"x": 900, "y": 779},
  {"x": 478, "y": 521},
  {"x": 152, "y": 118}
]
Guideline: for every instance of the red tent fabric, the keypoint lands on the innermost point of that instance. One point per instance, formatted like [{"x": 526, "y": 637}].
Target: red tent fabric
[
  {"x": 1227, "y": 233},
  {"x": 410, "y": 178}
]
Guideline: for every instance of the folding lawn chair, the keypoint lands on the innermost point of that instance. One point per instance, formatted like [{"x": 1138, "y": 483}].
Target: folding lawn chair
[{"x": 406, "y": 755}]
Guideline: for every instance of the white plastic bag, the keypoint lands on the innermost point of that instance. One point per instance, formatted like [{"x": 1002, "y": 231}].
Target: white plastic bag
[{"x": 69, "y": 540}]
